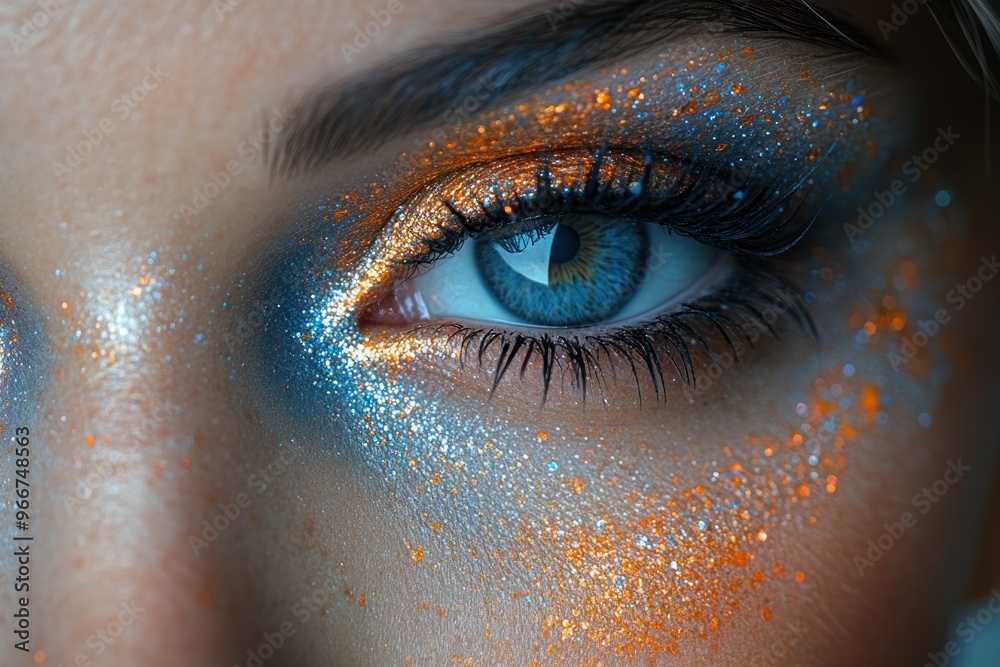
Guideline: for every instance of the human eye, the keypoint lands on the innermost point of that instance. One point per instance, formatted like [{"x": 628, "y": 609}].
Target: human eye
[{"x": 621, "y": 255}]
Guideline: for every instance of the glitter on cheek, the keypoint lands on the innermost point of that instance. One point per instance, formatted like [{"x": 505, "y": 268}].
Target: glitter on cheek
[
  {"x": 606, "y": 541},
  {"x": 638, "y": 564}
]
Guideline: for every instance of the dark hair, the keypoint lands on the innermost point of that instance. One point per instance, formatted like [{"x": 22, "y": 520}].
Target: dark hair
[{"x": 972, "y": 28}]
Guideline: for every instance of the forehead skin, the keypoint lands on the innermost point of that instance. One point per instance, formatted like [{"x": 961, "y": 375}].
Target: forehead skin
[{"x": 81, "y": 242}]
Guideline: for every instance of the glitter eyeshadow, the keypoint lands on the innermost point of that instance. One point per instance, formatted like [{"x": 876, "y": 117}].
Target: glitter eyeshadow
[
  {"x": 20, "y": 337},
  {"x": 606, "y": 540}
]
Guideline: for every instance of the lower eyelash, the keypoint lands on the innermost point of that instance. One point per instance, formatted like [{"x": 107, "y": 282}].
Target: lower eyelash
[{"x": 665, "y": 348}]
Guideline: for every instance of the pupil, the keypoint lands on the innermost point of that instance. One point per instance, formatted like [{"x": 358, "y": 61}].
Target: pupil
[{"x": 565, "y": 245}]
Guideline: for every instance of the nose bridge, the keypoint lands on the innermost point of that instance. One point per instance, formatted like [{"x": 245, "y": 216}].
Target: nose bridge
[{"x": 117, "y": 434}]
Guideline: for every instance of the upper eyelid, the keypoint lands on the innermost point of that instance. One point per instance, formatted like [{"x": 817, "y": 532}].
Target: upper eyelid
[
  {"x": 807, "y": 115},
  {"x": 416, "y": 89}
]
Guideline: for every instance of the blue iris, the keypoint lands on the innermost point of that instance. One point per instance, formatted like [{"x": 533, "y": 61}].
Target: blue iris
[{"x": 591, "y": 270}]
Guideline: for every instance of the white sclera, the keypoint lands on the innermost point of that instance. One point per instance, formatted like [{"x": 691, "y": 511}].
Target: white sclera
[{"x": 453, "y": 289}]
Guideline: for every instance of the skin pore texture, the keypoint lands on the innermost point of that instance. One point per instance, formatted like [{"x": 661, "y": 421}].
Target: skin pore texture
[{"x": 179, "y": 361}]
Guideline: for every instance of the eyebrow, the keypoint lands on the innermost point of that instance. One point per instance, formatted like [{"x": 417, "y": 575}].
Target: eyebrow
[{"x": 420, "y": 88}]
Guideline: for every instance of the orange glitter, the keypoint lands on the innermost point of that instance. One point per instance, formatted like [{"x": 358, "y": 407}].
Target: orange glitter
[
  {"x": 870, "y": 401},
  {"x": 417, "y": 554},
  {"x": 39, "y": 658},
  {"x": 89, "y": 442}
]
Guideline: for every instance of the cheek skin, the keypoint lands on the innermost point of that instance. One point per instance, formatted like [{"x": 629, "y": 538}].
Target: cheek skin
[{"x": 573, "y": 533}]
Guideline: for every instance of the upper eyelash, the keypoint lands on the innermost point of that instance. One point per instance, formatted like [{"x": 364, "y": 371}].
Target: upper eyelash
[{"x": 757, "y": 223}]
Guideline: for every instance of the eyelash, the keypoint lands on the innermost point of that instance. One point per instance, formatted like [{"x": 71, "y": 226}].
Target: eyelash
[
  {"x": 752, "y": 220},
  {"x": 749, "y": 225},
  {"x": 732, "y": 311}
]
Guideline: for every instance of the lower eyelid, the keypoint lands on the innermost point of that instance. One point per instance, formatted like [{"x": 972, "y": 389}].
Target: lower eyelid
[{"x": 718, "y": 330}]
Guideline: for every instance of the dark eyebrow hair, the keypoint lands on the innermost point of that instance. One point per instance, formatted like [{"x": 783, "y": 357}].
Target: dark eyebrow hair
[{"x": 416, "y": 89}]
